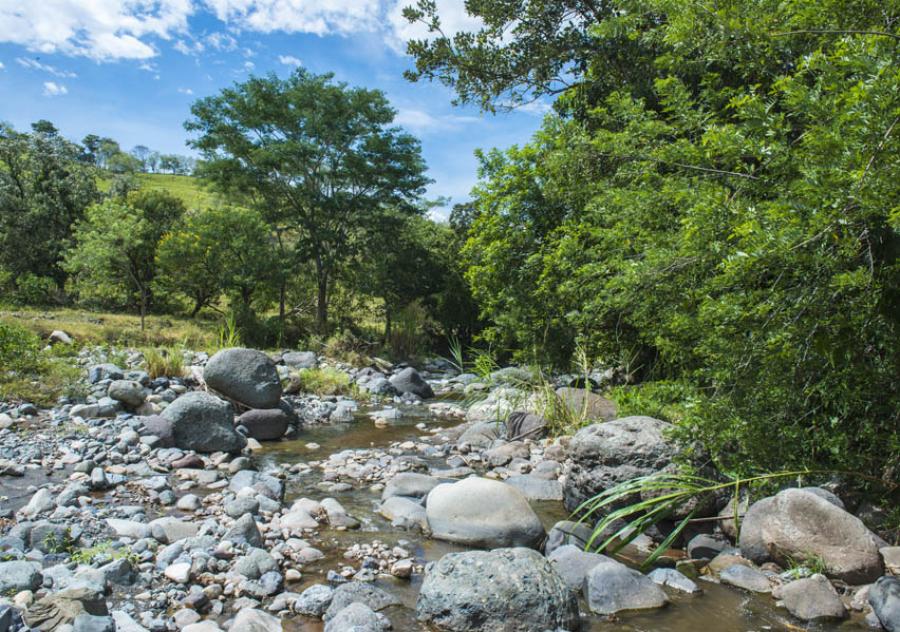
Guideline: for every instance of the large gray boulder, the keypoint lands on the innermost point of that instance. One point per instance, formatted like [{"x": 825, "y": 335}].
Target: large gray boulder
[
  {"x": 797, "y": 525},
  {"x": 483, "y": 513},
  {"x": 18, "y": 576},
  {"x": 505, "y": 590},
  {"x": 129, "y": 392},
  {"x": 612, "y": 587},
  {"x": 203, "y": 423},
  {"x": 300, "y": 359},
  {"x": 160, "y": 427},
  {"x": 268, "y": 424},
  {"x": 573, "y": 564},
  {"x": 409, "y": 484},
  {"x": 246, "y": 376},
  {"x": 812, "y": 599},
  {"x": 585, "y": 404},
  {"x": 884, "y": 597},
  {"x": 409, "y": 381},
  {"x": 606, "y": 454}
]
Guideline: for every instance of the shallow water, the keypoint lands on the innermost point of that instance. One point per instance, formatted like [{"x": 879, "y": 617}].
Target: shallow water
[{"x": 717, "y": 609}]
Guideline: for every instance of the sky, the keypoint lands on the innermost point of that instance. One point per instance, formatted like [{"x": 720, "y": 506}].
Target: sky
[{"x": 130, "y": 69}]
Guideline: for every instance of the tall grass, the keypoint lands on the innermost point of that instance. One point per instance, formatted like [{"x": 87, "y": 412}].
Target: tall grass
[
  {"x": 324, "y": 381},
  {"x": 164, "y": 362}
]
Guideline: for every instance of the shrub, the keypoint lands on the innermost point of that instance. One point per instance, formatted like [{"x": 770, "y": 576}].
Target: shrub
[
  {"x": 164, "y": 362},
  {"x": 19, "y": 349},
  {"x": 324, "y": 381}
]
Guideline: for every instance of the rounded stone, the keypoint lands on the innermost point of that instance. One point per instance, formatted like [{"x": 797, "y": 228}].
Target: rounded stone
[{"x": 247, "y": 376}]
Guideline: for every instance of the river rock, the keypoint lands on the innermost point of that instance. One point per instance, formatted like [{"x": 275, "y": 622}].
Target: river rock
[
  {"x": 268, "y": 424},
  {"x": 203, "y": 423},
  {"x": 536, "y": 488},
  {"x": 745, "y": 577},
  {"x": 247, "y": 481},
  {"x": 357, "y": 617},
  {"x": 566, "y": 532},
  {"x": 409, "y": 484},
  {"x": 314, "y": 601},
  {"x": 410, "y": 381},
  {"x": 253, "y": 620},
  {"x": 482, "y": 434},
  {"x": 404, "y": 512},
  {"x": 583, "y": 404},
  {"x": 606, "y": 454},
  {"x": 244, "y": 530},
  {"x": 522, "y": 424},
  {"x": 483, "y": 513},
  {"x": 359, "y": 592},
  {"x": 612, "y": 587},
  {"x": 812, "y": 599},
  {"x": 884, "y": 597},
  {"x": 573, "y": 564},
  {"x": 57, "y": 609},
  {"x": 673, "y": 579},
  {"x": 17, "y": 576},
  {"x": 796, "y": 524},
  {"x": 300, "y": 359},
  {"x": 160, "y": 427},
  {"x": 129, "y": 392},
  {"x": 505, "y": 590},
  {"x": 247, "y": 376}
]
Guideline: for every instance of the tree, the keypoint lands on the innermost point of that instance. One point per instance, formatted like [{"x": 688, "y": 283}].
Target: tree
[
  {"x": 123, "y": 163},
  {"x": 113, "y": 259},
  {"x": 320, "y": 158},
  {"x": 225, "y": 250},
  {"x": 142, "y": 154},
  {"x": 44, "y": 190}
]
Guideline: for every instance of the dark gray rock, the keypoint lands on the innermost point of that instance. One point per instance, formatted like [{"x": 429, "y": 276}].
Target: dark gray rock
[
  {"x": 245, "y": 531},
  {"x": 268, "y": 424},
  {"x": 884, "y": 597},
  {"x": 566, "y": 532},
  {"x": 203, "y": 423},
  {"x": 573, "y": 564},
  {"x": 812, "y": 599},
  {"x": 705, "y": 546},
  {"x": 521, "y": 425},
  {"x": 504, "y": 590},
  {"x": 606, "y": 454},
  {"x": 158, "y": 426},
  {"x": 796, "y": 524},
  {"x": 359, "y": 592},
  {"x": 612, "y": 587},
  {"x": 247, "y": 376},
  {"x": 483, "y": 513},
  {"x": 409, "y": 381}
]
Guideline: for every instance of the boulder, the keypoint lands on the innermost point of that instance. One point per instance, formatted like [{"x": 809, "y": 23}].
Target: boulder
[
  {"x": 160, "y": 427},
  {"x": 745, "y": 577},
  {"x": 812, "y": 599},
  {"x": 314, "y": 601},
  {"x": 409, "y": 484},
  {"x": 573, "y": 564},
  {"x": 359, "y": 592},
  {"x": 497, "y": 406},
  {"x": 300, "y": 359},
  {"x": 483, "y": 513},
  {"x": 203, "y": 423},
  {"x": 884, "y": 597},
  {"x": 521, "y": 424},
  {"x": 100, "y": 372},
  {"x": 57, "y": 335},
  {"x": 583, "y": 404},
  {"x": 246, "y": 376},
  {"x": 482, "y": 434},
  {"x": 404, "y": 512},
  {"x": 357, "y": 617},
  {"x": 17, "y": 576},
  {"x": 268, "y": 424},
  {"x": 798, "y": 525},
  {"x": 505, "y": 590},
  {"x": 606, "y": 454},
  {"x": 129, "y": 392},
  {"x": 612, "y": 587},
  {"x": 58, "y": 609},
  {"x": 409, "y": 381},
  {"x": 253, "y": 620},
  {"x": 566, "y": 532},
  {"x": 536, "y": 488}
]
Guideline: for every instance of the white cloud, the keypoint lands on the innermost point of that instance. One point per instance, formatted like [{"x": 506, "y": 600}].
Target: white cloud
[
  {"x": 289, "y": 60},
  {"x": 100, "y": 29},
  {"x": 53, "y": 89},
  {"x": 185, "y": 91},
  {"x": 249, "y": 65},
  {"x": 189, "y": 48},
  {"x": 1, "y": 65},
  {"x": 221, "y": 41},
  {"x": 320, "y": 17},
  {"x": 422, "y": 122},
  {"x": 34, "y": 64}
]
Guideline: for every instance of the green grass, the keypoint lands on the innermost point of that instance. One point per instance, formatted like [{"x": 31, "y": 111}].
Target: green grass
[
  {"x": 324, "y": 381},
  {"x": 164, "y": 362},
  {"x": 188, "y": 189}
]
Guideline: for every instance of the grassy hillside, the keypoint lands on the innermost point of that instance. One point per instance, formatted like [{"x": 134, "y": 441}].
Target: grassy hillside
[{"x": 188, "y": 189}]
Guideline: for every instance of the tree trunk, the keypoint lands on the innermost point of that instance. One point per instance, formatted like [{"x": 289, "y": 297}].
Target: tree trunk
[
  {"x": 281, "y": 300},
  {"x": 143, "y": 308},
  {"x": 322, "y": 300},
  {"x": 387, "y": 325}
]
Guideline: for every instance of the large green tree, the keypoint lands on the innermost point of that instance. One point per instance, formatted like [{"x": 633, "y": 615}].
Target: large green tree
[
  {"x": 721, "y": 214},
  {"x": 318, "y": 158},
  {"x": 44, "y": 190}
]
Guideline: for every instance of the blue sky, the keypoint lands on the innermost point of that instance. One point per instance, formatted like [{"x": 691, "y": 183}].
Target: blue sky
[{"x": 130, "y": 70}]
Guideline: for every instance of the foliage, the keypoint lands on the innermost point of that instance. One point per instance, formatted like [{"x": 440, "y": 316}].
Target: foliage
[
  {"x": 44, "y": 191},
  {"x": 164, "y": 362},
  {"x": 324, "y": 381},
  {"x": 321, "y": 159},
  {"x": 29, "y": 374},
  {"x": 720, "y": 213},
  {"x": 19, "y": 349}
]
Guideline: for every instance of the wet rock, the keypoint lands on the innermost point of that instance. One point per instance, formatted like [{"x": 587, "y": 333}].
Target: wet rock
[
  {"x": 612, "y": 587},
  {"x": 673, "y": 579},
  {"x": 566, "y": 532},
  {"x": 796, "y": 524},
  {"x": 573, "y": 564},
  {"x": 745, "y": 577},
  {"x": 203, "y": 423},
  {"x": 259, "y": 483},
  {"x": 253, "y": 620},
  {"x": 409, "y": 484},
  {"x": 17, "y": 576},
  {"x": 410, "y": 381},
  {"x": 404, "y": 513},
  {"x": 483, "y": 513},
  {"x": 268, "y": 424},
  {"x": 314, "y": 601},
  {"x": 247, "y": 376},
  {"x": 812, "y": 599},
  {"x": 706, "y": 546},
  {"x": 359, "y": 592},
  {"x": 606, "y": 454},
  {"x": 884, "y": 597},
  {"x": 496, "y": 591},
  {"x": 357, "y": 617}
]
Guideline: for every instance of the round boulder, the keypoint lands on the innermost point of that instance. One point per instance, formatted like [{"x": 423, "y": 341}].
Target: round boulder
[
  {"x": 409, "y": 381},
  {"x": 484, "y": 513},
  {"x": 798, "y": 525},
  {"x": 884, "y": 597},
  {"x": 247, "y": 376},
  {"x": 606, "y": 454},
  {"x": 612, "y": 587},
  {"x": 505, "y": 590},
  {"x": 203, "y": 423},
  {"x": 268, "y": 424},
  {"x": 129, "y": 392},
  {"x": 586, "y": 405}
]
